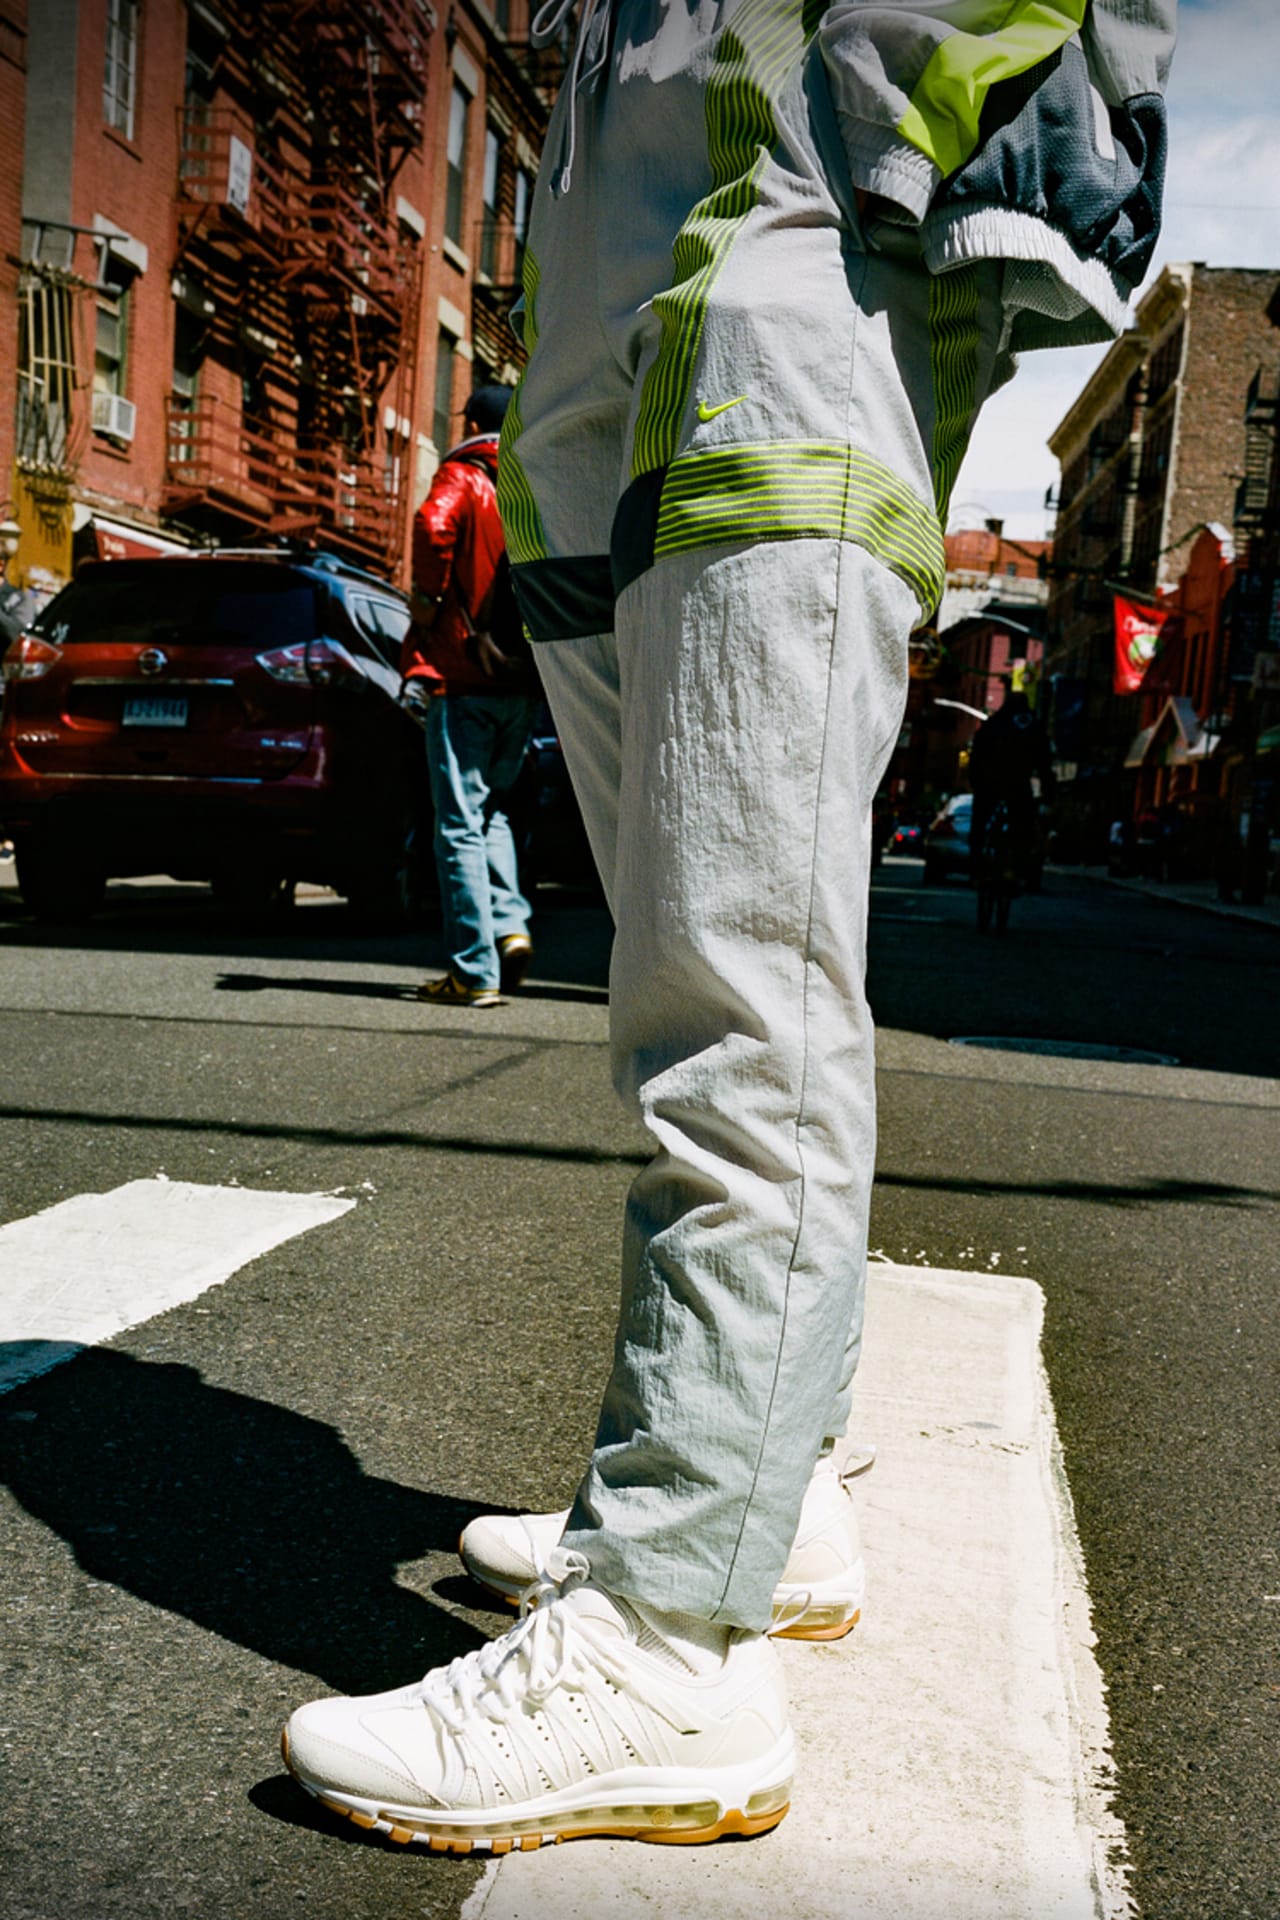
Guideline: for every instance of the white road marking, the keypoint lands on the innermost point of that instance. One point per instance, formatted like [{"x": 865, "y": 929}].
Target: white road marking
[
  {"x": 954, "y": 1756},
  {"x": 90, "y": 1267}
]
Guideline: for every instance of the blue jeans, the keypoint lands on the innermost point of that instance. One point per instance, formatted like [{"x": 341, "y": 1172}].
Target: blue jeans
[{"x": 475, "y": 746}]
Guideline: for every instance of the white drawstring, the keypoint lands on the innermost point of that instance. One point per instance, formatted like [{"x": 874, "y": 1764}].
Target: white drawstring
[
  {"x": 548, "y": 1644},
  {"x": 549, "y": 19},
  {"x": 545, "y": 25}
]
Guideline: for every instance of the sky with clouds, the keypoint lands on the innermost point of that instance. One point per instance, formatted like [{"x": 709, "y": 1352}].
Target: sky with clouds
[{"x": 1222, "y": 206}]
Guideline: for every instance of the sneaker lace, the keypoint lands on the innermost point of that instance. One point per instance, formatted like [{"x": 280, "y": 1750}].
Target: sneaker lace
[
  {"x": 548, "y": 1646},
  {"x": 857, "y": 1458}
]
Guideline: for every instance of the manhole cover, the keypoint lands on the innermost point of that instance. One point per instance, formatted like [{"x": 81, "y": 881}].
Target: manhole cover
[{"x": 1067, "y": 1049}]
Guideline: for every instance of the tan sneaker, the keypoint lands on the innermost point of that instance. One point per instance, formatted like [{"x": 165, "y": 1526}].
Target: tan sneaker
[
  {"x": 820, "y": 1595},
  {"x": 449, "y": 991},
  {"x": 515, "y": 951}
]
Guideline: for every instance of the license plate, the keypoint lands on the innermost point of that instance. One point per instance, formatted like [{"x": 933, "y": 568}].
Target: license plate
[{"x": 150, "y": 710}]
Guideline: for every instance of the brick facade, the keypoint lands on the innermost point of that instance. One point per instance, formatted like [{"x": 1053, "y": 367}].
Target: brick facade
[
  {"x": 246, "y": 237},
  {"x": 494, "y": 89},
  {"x": 13, "y": 89},
  {"x": 125, "y": 181},
  {"x": 1152, "y": 451}
]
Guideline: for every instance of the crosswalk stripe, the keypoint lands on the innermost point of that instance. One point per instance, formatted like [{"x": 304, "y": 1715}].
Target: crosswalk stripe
[{"x": 92, "y": 1266}]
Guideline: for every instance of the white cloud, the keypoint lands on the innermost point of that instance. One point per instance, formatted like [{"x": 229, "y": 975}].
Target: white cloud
[
  {"x": 1222, "y": 206},
  {"x": 1009, "y": 467},
  {"x": 1224, "y": 55}
]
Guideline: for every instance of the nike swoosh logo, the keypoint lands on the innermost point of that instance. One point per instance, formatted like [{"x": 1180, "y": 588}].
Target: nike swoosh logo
[{"x": 706, "y": 413}]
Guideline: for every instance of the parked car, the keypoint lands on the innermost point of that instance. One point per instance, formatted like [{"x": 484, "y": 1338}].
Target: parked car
[
  {"x": 548, "y": 825},
  {"x": 229, "y": 717},
  {"x": 946, "y": 841},
  {"x": 907, "y": 837}
]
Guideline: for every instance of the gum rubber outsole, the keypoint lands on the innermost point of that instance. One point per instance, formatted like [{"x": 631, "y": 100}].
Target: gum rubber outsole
[
  {"x": 837, "y": 1632},
  {"x": 798, "y": 1631},
  {"x": 732, "y": 1824}
]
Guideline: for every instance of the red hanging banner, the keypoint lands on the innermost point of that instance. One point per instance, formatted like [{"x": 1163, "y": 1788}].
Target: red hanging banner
[{"x": 1139, "y": 631}]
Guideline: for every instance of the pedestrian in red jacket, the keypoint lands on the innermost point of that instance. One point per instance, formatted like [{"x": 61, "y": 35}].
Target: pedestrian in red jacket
[{"x": 478, "y": 690}]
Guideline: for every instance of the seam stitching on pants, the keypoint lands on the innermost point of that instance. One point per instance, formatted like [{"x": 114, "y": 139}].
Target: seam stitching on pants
[{"x": 841, "y": 551}]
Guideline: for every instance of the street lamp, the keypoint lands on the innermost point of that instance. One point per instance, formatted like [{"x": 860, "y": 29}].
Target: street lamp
[
  {"x": 963, "y": 707},
  {"x": 1016, "y": 626}
]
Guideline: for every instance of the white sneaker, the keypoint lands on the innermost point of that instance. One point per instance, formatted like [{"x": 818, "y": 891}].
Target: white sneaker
[
  {"x": 819, "y": 1597},
  {"x": 591, "y": 1716}
]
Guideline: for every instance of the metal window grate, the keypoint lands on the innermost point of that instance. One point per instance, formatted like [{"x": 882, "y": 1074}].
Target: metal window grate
[{"x": 47, "y": 361}]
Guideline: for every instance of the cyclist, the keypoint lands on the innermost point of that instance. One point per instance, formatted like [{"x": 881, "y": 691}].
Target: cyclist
[{"x": 1009, "y": 752}]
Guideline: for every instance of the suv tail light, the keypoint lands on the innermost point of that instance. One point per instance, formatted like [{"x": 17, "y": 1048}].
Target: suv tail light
[
  {"x": 28, "y": 658},
  {"x": 310, "y": 663}
]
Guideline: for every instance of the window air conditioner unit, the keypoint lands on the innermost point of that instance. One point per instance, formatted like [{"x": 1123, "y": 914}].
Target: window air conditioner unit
[{"x": 114, "y": 415}]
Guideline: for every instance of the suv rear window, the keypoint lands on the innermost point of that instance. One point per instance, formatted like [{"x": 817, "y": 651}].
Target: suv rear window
[{"x": 211, "y": 602}]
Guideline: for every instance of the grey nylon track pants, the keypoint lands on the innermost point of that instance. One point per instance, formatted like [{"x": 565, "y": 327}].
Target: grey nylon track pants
[{"x": 725, "y": 739}]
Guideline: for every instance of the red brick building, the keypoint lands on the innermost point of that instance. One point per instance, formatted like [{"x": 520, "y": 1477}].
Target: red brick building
[
  {"x": 1184, "y": 711},
  {"x": 989, "y": 636},
  {"x": 1153, "y": 450},
  {"x": 977, "y": 555},
  {"x": 490, "y": 100},
  {"x": 222, "y": 272},
  {"x": 267, "y": 247},
  {"x": 13, "y": 94}
]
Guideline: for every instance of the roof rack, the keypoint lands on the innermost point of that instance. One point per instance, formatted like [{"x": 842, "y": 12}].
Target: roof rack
[{"x": 298, "y": 551}]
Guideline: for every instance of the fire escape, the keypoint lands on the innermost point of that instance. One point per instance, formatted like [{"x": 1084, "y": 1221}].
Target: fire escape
[
  {"x": 299, "y": 285},
  {"x": 523, "y": 80},
  {"x": 1255, "y": 495}
]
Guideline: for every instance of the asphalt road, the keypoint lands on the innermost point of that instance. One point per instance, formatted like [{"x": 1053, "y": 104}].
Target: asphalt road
[{"x": 255, "y": 1496}]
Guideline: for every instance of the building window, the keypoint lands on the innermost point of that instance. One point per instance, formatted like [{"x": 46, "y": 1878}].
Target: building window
[
  {"x": 442, "y": 420},
  {"x": 395, "y": 461},
  {"x": 502, "y": 15},
  {"x": 489, "y": 230},
  {"x": 111, "y": 413},
  {"x": 255, "y": 414},
  {"x": 188, "y": 352},
  {"x": 455, "y": 172},
  {"x": 524, "y": 196},
  {"x": 111, "y": 338},
  {"x": 120, "y": 75}
]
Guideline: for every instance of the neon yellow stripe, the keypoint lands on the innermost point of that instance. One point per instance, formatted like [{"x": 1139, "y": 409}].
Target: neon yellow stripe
[
  {"x": 796, "y": 489},
  {"x": 530, "y": 281},
  {"x": 953, "y": 350},
  {"x": 522, "y": 526},
  {"x": 991, "y": 44},
  {"x": 753, "y": 58}
]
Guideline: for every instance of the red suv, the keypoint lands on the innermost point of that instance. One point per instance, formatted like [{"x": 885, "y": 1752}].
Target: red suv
[{"x": 229, "y": 717}]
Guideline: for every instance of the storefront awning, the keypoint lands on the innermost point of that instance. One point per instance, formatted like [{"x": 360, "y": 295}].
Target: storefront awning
[
  {"x": 1176, "y": 740},
  {"x": 116, "y": 540}
]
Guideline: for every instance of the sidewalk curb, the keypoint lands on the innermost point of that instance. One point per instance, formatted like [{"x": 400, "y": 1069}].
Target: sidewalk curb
[
  {"x": 953, "y": 1752},
  {"x": 1264, "y": 917}
]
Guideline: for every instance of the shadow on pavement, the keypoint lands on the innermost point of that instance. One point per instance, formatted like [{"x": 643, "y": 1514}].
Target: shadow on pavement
[
  {"x": 571, "y": 930},
  {"x": 1147, "y": 1193},
  {"x": 330, "y": 1136},
  {"x": 1082, "y": 965},
  {"x": 380, "y": 990},
  {"x": 252, "y": 1521},
  {"x": 281, "y": 1799},
  {"x": 352, "y": 989}
]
